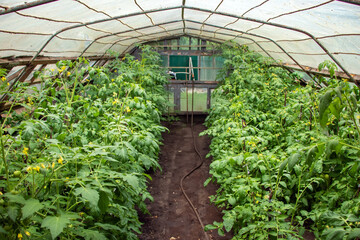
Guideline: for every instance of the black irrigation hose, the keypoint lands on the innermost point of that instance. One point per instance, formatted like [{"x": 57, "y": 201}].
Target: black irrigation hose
[{"x": 188, "y": 174}]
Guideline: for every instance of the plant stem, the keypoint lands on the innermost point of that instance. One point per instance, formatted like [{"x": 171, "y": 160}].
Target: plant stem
[{"x": 298, "y": 198}]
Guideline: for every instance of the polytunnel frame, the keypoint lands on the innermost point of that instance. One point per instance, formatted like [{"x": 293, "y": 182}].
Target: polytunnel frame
[
  {"x": 134, "y": 14},
  {"x": 226, "y": 34},
  {"x": 184, "y": 21},
  {"x": 183, "y": 7}
]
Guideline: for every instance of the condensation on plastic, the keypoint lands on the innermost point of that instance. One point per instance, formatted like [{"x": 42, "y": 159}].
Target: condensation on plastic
[{"x": 335, "y": 24}]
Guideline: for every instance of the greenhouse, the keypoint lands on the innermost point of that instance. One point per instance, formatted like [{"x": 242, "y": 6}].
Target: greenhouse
[{"x": 180, "y": 119}]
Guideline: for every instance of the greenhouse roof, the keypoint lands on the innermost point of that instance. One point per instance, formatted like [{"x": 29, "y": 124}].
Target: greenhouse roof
[{"x": 300, "y": 33}]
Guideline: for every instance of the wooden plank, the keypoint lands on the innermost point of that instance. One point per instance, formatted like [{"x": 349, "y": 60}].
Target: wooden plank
[
  {"x": 16, "y": 61},
  {"x": 177, "y": 96},
  {"x": 188, "y": 52},
  {"x": 195, "y": 82},
  {"x": 323, "y": 72},
  {"x": 208, "y": 100}
]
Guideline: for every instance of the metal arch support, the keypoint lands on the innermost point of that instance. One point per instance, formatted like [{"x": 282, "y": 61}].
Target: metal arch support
[
  {"x": 149, "y": 26},
  {"x": 232, "y": 35},
  {"x": 236, "y": 36},
  {"x": 26, "y": 6},
  {"x": 255, "y": 35},
  {"x": 280, "y": 26},
  {"x": 95, "y": 22},
  {"x": 121, "y": 32},
  {"x": 198, "y": 9},
  {"x": 90, "y": 23}
]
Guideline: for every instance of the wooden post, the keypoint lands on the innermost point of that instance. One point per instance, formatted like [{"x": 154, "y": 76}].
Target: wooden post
[{"x": 208, "y": 103}]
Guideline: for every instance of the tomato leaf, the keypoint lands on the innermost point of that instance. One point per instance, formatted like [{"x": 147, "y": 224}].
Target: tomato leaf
[
  {"x": 325, "y": 101},
  {"x": 88, "y": 194},
  {"x": 31, "y": 206},
  {"x": 56, "y": 225}
]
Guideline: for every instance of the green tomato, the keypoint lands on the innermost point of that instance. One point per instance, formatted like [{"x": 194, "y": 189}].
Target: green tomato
[
  {"x": 2, "y": 201},
  {"x": 17, "y": 174},
  {"x": 14, "y": 192}
]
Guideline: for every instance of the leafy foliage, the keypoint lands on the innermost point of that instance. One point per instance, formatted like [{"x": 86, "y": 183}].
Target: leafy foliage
[
  {"x": 73, "y": 161},
  {"x": 286, "y": 156}
]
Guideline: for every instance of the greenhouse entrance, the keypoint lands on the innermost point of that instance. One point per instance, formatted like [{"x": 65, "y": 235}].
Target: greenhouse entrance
[{"x": 193, "y": 66}]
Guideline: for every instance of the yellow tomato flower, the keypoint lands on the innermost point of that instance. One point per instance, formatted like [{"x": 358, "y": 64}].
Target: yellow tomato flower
[
  {"x": 53, "y": 165},
  {"x": 358, "y": 116},
  {"x": 3, "y": 79},
  {"x": 68, "y": 73},
  {"x": 1, "y": 193},
  {"x": 25, "y": 151},
  {"x": 127, "y": 109},
  {"x": 60, "y": 160},
  {"x": 112, "y": 79},
  {"x": 27, "y": 233},
  {"x": 20, "y": 236},
  {"x": 312, "y": 138},
  {"x": 42, "y": 165},
  {"x": 8, "y": 84},
  {"x": 37, "y": 168}
]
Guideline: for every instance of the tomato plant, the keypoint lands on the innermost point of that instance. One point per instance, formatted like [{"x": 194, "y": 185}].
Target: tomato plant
[
  {"x": 74, "y": 160},
  {"x": 285, "y": 155}
]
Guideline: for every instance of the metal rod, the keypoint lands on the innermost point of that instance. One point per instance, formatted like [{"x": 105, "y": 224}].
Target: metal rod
[{"x": 26, "y": 6}]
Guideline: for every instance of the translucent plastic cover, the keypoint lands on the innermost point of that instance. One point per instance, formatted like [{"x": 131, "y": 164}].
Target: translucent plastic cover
[{"x": 295, "y": 32}]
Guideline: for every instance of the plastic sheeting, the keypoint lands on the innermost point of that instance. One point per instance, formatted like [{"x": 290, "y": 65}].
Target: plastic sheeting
[{"x": 69, "y": 28}]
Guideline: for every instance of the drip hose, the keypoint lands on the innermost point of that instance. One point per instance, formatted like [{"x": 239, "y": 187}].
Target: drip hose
[{"x": 188, "y": 174}]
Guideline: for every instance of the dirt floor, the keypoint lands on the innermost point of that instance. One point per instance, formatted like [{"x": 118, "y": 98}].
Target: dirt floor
[{"x": 171, "y": 215}]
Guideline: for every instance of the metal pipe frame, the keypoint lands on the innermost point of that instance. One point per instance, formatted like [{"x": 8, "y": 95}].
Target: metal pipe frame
[
  {"x": 91, "y": 23},
  {"x": 255, "y": 35},
  {"x": 276, "y": 64},
  {"x": 280, "y": 26},
  {"x": 183, "y": 7},
  {"x": 236, "y": 36}
]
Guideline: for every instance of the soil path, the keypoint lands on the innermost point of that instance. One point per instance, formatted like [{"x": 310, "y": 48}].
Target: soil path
[{"x": 171, "y": 215}]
